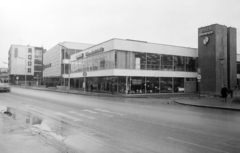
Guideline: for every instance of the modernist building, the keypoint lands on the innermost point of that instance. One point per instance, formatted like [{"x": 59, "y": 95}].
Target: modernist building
[
  {"x": 129, "y": 66},
  {"x": 25, "y": 60},
  {"x": 56, "y": 62}
]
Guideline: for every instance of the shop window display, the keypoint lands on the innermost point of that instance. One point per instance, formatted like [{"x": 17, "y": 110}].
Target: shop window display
[
  {"x": 152, "y": 85},
  {"x": 166, "y": 85},
  {"x": 178, "y": 85}
]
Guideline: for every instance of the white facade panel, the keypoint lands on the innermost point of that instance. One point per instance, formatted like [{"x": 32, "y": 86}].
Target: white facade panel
[
  {"x": 135, "y": 46},
  {"x": 136, "y": 73},
  {"x": 52, "y": 57},
  {"x": 17, "y": 65},
  {"x": 154, "y": 48}
]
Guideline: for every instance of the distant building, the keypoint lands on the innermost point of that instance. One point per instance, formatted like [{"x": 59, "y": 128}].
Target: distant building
[
  {"x": 56, "y": 62},
  {"x": 25, "y": 60}
]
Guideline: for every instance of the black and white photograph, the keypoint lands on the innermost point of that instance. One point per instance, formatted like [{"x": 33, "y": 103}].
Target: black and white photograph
[{"x": 119, "y": 76}]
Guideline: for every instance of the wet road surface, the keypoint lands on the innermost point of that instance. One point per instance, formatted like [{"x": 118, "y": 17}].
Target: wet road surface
[{"x": 75, "y": 123}]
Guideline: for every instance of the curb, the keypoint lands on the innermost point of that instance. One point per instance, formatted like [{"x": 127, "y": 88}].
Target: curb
[{"x": 207, "y": 106}]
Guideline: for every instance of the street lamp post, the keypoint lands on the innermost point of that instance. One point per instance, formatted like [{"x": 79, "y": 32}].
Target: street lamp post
[
  {"x": 222, "y": 62},
  {"x": 25, "y": 71}
]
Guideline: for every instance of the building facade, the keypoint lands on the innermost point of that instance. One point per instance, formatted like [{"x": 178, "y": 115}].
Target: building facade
[
  {"x": 56, "y": 62},
  {"x": 132, "y": 67},
  {"x": 217, "y": 57},
  {"x": 25, "y": 61}
]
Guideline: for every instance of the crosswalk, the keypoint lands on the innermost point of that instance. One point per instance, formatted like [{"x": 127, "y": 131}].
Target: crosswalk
[{"x": 91, "y": 114}]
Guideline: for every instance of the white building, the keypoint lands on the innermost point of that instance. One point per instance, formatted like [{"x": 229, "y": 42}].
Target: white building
[
  {"x": 129, "y": 66},
  {"x": 56, "y": 62},
  {"x": 25, "y": 60}
]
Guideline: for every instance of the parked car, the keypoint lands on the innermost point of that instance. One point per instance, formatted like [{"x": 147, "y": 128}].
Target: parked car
[
  {"x": 180, "y": 89},
  {"x": 5, "y": 87}
]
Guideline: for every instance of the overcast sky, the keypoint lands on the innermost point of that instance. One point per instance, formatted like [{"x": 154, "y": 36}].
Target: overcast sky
[{"x": 44, "y": 23}]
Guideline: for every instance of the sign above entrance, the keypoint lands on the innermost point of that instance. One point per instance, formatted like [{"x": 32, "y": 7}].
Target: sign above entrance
[
  {"x": 206, "y": 31},
  {"x": 95, "y": 51},
  {"x": 136, "y": 81}
]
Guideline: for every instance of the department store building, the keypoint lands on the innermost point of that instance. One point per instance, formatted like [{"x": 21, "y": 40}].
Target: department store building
[
  {"x": 139, "y": 67},
  {"x": 135, "y": 67}
]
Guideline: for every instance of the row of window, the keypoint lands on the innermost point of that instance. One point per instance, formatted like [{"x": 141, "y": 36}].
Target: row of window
[
  {"x": 136, "y": 85},
  {"x": 134, "y": 60}
]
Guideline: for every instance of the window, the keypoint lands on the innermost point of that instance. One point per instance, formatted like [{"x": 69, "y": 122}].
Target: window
[
  {"x": 37, "y": 68},
  {"x": 153, "y": 61},
  {"x": 190, "y": 64},
  {"x": 37, "y": 61},
  {"x": 166, "y": 62},
  {"x": 29, "y": 56},
  {"x": 139, "y": 60},
  {"x": 38, "y": 53},
  {"x": 179, "y": 63},
  {"x": 30, "y": 50},
  {"x": 29, "y": 70},
  {"x": 29, "y": 63}
]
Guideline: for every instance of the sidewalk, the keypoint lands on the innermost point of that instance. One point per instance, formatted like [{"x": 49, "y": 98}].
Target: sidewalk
[
  {"x": 108, "y": 94},
  {"x": 210, "y": 102}
]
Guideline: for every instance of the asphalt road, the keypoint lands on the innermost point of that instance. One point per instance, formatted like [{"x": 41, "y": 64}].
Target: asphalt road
[{"x": 76, "y": 123}]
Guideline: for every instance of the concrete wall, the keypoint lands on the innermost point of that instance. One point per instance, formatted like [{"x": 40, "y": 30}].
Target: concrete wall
[{"x": 232, "y": 57}]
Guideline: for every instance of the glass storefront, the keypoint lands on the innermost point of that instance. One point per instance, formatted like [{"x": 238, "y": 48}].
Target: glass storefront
[
  {"x": 179, "y": 63},
  {"x": 153, "y": 61},
  {"x": 152, "y": 85},
  {"x": 134, "y": 60},
  {"x": 178, "y": 85},
  {"x": 132, "y": 85},
  {"x": 137, "y": 85},
  {"x": 167, "y": 62},
  {"x": 166, "y": 85}
]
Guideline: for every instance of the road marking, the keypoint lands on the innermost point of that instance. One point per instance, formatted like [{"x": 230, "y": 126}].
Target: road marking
[
  {"x": 90, "y": 111},
  {"x": 106, "y": 111},
  {"x": 89, "y": 117},
  {"x": 68, "y": 116},
  {"x": 197, "y": 145}
]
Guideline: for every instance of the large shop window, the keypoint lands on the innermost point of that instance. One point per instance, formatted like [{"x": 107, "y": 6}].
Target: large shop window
[
  {"x": 38, "y": 53},
  {"x": 167, "y": 62},
  {"x": 137, "y": 85},
  {"x": 153, "y": 61},
  {"x": 152, "y": 84},
  {"x": 178, "y": 85},
  {"x": 166, "y": 85},
  {"x": 179, "y": 63},
  {"x": 190, "y": 64},
  {"x": 139, "y": 60}
]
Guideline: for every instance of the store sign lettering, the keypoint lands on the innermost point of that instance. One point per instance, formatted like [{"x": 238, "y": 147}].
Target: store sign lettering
[
  {"x": 47, "y": 66},
  {"x": 79, "y": 56},
  {"x": 136, "y": 82},
  {"x": 206, "y": 31},
  {"x": 95, "y": 51}
]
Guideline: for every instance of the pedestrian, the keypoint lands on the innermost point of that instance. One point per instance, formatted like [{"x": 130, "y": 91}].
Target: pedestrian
[
  {"x": 91, "y": 87},
  {"x": 224, "y": 92}
]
